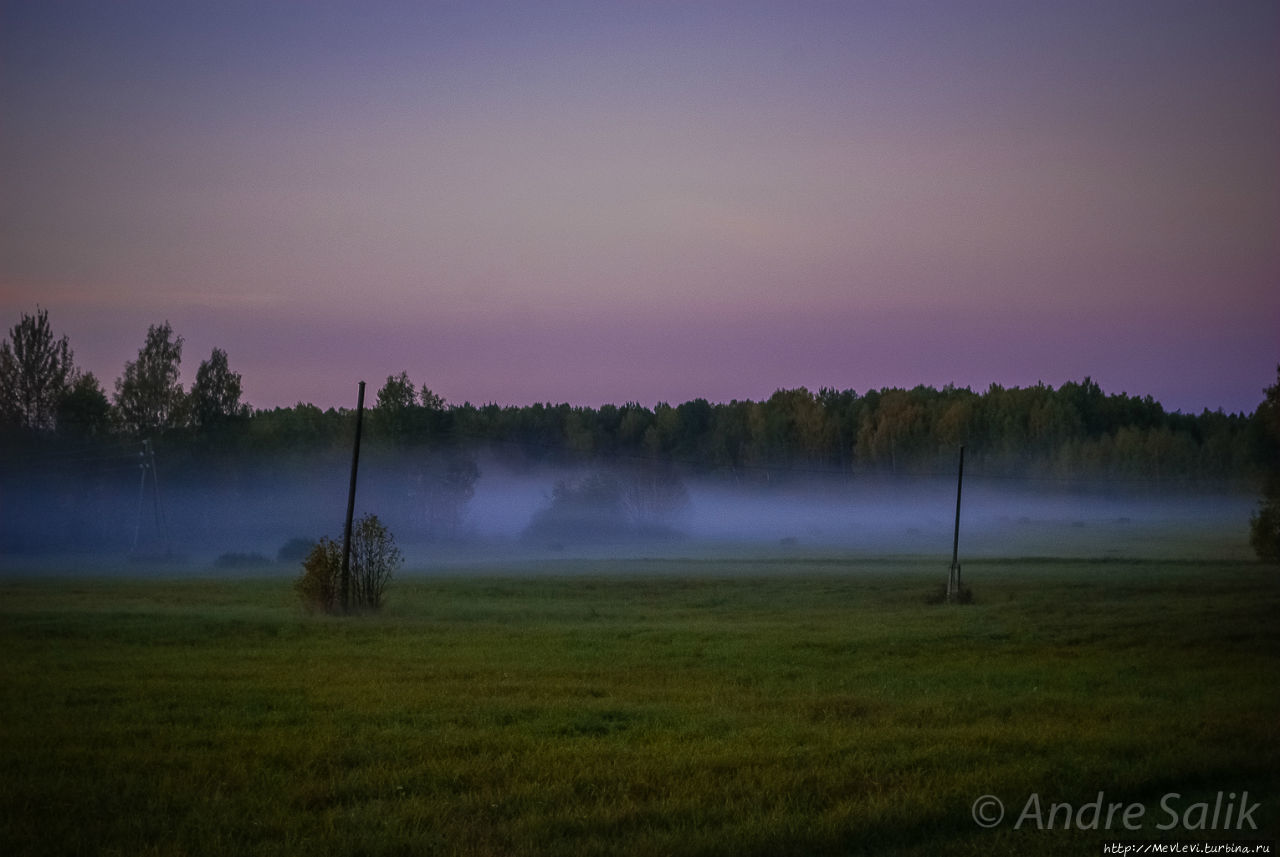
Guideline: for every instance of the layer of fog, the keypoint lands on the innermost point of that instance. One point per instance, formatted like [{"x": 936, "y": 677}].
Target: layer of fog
[
  {"x": 901, "y": 516},
  {"x": 518, "y": 513}
]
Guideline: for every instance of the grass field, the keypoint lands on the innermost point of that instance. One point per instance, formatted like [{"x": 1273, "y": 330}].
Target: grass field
[{"x": 680, "y": 707}]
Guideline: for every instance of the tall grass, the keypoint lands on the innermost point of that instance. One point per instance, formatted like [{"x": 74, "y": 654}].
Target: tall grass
[{"x": 632, "y": 708}]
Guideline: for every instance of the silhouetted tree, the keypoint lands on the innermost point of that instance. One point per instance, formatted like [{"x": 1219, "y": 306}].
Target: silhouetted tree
[
  {"x": 149, "y": 397},
  {"x": 402, "y": 414},
  {"x": 398, "y": 394},
  {"x": 1264, "y": 529},
  {"x": 215, "y": 395},
  {"x": 430, "y": 400},
  {"x": 36, "y": 371},
  {"x": 83, "y": 410}
]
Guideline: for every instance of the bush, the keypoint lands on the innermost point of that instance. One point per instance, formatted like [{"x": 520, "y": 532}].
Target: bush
[
  {"x": 374, "y": 558},
  {"x": 321, "y": 576},
  {"x": 589, "y": 509},
  {"x": 642, "y": 503}
]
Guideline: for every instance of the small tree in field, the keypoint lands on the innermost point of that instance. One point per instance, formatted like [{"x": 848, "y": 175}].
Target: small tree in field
[
  {"x": 321, "y": 571},
  {"x": 374, "y": 559}
]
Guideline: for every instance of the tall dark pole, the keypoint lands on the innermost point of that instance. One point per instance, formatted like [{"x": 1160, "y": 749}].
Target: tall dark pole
[
  {"x": 953, "y": 581},
  {"x": 351, "y": 508},
  {"x": 162, "y": 526},
  {"x": 142, "y": 493}
]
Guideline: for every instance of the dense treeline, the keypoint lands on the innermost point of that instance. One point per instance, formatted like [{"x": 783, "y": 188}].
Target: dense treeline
[
  {"x": 156, "y": 463},
  {"x": 1075, "y": 431}
]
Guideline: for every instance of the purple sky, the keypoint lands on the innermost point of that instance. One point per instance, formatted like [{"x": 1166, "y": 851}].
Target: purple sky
[{"x": 608, "y": 201}]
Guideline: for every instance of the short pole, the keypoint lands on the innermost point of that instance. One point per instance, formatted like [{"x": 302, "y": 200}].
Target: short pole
[{"x": 345, "y": 581}]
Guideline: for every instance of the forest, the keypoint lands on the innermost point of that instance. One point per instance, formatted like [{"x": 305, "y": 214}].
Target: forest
[
  {"x": 63, "y": 435},
  {"x": 48, "y": 406}
]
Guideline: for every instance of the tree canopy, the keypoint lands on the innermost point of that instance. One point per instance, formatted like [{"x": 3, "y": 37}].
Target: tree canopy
[
  {"x": 149, "y": 397},
  {"x": 36, "y": 372},
  {"x": 215, "y": 395},
  {"x": 1076, "y": 431},
  {"x": 1264, "y": 529},
  {"x": 78, "y": 449}
]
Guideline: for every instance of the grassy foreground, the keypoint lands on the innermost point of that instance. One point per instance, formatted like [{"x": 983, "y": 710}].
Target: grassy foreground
[{"x": 637, "y": 708}]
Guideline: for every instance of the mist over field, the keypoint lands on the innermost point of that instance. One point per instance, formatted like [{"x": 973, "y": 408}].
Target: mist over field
[
  {"x": 613, "y": 509},
  {"x": 166, "y": 473},
  {"x": 661, "y": 333}
]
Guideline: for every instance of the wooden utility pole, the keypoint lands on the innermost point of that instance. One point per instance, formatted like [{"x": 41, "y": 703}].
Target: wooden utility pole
[
  {"x": 345, "y": 581},
  {"x": 953, "y": 580},
  {"x": 162, "y": 526}
]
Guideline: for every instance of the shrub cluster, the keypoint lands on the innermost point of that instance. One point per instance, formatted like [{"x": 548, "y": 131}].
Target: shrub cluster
[
  {"x": 640, "y": 502},
  {"x": 374, "y": 559}
]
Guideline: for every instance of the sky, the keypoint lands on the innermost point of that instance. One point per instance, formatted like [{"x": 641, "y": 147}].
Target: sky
[{"x": 605, "y": 202}]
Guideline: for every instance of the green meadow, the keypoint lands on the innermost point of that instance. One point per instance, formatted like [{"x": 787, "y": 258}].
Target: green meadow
[{"x": 684, "y": 707}]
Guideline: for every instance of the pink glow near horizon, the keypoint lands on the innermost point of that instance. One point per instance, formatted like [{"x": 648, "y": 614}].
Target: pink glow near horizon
[{"x": 596, "y": 204}]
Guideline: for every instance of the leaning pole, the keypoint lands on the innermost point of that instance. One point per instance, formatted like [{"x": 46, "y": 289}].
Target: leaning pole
[{"x": 345, "y": 581}]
